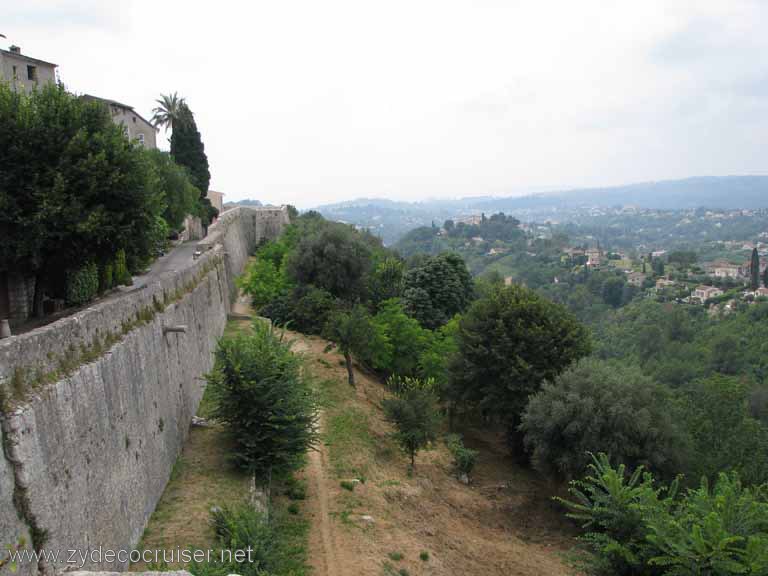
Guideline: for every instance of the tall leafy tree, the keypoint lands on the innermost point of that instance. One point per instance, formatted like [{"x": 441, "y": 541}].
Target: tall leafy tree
[
  {"x": 509, "y": 343},
  {"x": 754, "y": 270},
  {"x": 73, "y": 189},
  {"x": 187, "y": 149},
  {"x": 405, "y": 339},
  {"x": 181, "y": 197}
]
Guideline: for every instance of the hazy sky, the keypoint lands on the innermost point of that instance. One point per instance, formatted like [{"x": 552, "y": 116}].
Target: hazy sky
[{"x": 307, "y": 102}]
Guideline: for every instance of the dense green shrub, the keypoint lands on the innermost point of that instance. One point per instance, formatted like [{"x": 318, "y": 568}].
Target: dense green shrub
[
  {"x": 435, "y": 358},
  {"x": 121, "y": 274},
  {"x": 83, "y": 284},
  {"x": 636, "y": 528},
  {"x": 386, "y": 281},
  {"x": 279, "y": 309},
  {"x": 277, "y": 544},
  {"x": 311, "y": 309},
  {"x": 260, "y": 393},
  {"x": 600, "y": 406},
  {"x": 306, "y": 309},
  {"x": 263, "y": 281},
  {"x": 464, "y": 459}
]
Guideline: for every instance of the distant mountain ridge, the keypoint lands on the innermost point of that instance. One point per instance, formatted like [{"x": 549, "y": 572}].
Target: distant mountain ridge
[
  {"x": 724, "y": 192},
  {"x": 390, "y": 219}
]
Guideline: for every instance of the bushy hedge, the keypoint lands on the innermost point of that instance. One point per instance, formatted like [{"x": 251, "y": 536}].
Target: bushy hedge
[
  {"x": 83, "y": 284},
  {"x": 260, "y": 393}
]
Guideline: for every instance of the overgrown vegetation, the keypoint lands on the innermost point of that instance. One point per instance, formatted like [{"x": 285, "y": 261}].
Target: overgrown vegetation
[
  {"x": 277, "y": 544},
  {"x": 82, "y": 206},
  {"x": 635, "y": 526},
  {"x": 666, "y": 388}
]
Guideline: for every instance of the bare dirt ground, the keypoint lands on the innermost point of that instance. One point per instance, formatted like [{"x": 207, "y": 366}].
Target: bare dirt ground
[
  {"x": 202, "y": 478},
  {"x": 504, "y": 523}
]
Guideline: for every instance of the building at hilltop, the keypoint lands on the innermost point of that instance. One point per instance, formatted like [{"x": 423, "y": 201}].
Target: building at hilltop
[
  {"x": 23, "y": 72},
  {"x": 137, "y": 128}
]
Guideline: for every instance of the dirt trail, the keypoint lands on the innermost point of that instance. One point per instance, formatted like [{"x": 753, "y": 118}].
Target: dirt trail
[
  {"x": 322, "y": 542},
  {"x": 428, "y": 524},
  {"x": 322, "y": 539}
]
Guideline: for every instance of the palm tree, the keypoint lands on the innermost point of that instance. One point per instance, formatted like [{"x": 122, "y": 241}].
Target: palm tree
[{"x": 169, "y": 110}]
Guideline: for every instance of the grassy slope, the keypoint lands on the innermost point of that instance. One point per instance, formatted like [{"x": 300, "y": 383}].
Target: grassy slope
[{"x": 504, "y": 523}]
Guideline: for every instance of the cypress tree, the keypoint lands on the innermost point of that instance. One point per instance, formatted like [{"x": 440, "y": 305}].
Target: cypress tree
[
  {"x": 187, "y": 149},
  {"x": 754, "y": 270},
  {"x": 765, "y": 278}
]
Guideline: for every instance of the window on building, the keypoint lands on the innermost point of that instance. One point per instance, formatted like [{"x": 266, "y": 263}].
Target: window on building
[
  {"x": 15, "y": 74},
  {"x": 140, "y": 138},
  {"x": 31, "y": 72},
  {"x": 134, "y": 119}
]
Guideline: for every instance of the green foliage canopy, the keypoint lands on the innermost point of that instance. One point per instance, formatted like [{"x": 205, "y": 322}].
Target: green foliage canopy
[
  {"x": 602, "y": 406},
  {"x": 72, "y": 187},
  {"x": 437, "y": 289},
  {"x": 509, "y": 343},
  {"x": 335, "y": 259}
]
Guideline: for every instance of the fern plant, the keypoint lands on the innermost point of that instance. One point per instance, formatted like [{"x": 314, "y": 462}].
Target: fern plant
[{"x": 636, "y": 528}]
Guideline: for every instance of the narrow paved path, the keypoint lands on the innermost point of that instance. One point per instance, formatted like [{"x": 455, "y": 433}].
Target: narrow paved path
[{"x": 178, "y": 258}]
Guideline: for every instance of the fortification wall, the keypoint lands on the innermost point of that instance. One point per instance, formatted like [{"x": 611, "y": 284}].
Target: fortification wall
[
  {"x": 241, "y": 228},
  {"x": 14, "y": 532},
  {"x": 108, "y": 398}
]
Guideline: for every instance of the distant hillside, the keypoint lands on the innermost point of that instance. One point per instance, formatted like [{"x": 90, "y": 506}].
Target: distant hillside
[
  {"x": 391, "y": 220},
  {"x": 725, "y": 192}
]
